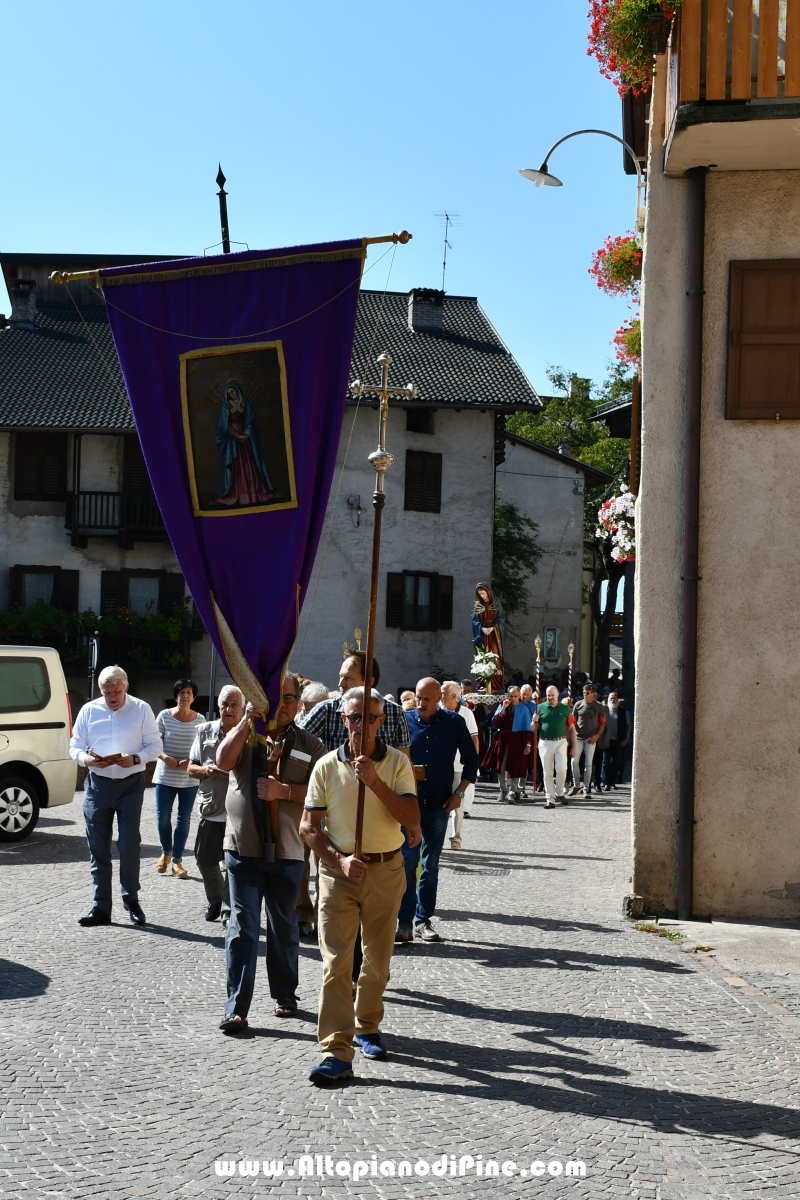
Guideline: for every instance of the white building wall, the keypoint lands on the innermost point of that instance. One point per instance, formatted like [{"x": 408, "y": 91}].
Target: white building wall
[
  {"x": 456, "y": 541},
  {"x": 551, "y": 494}
]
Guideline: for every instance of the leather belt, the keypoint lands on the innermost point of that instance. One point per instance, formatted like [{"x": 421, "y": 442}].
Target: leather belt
[{"x": 372, "y": 858}]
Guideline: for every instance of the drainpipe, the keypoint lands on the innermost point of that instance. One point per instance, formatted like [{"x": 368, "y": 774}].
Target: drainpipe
[{"x": 691, "y": 528}]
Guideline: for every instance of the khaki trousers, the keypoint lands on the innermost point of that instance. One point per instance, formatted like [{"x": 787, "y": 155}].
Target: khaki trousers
[{"x": 344, "y": 905}]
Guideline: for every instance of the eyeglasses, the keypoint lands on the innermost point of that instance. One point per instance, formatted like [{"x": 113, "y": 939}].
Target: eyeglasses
[
  {"x": 355, "y": 718},
  {"x": 290, "y": 698}
]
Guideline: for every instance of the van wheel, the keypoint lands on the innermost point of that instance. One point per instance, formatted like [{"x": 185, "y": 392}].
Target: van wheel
[{"x": 19, "y": 808}]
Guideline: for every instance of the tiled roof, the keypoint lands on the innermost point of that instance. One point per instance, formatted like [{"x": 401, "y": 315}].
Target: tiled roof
[
  {"x": 466, "y": 364},
  {"x": 64, "y": 374}
]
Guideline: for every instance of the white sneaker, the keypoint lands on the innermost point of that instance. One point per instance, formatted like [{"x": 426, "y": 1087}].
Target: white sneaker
[{"x": 455, "y": 843}]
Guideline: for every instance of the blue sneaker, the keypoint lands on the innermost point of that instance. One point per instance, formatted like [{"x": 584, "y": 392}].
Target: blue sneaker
[
  {"x": 331, "y": 1070},
  {"x": 371, "y": 1045}
]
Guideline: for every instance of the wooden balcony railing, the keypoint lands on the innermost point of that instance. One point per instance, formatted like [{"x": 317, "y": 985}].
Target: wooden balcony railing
[
  {"x": 735, "y": 50},
  {"x": 107, "y": 514}
]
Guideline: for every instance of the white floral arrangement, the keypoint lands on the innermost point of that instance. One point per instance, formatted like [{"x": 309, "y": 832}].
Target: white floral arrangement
[
  {"x": 616, "y": 520},
  {"x": 486, "y": 665}
]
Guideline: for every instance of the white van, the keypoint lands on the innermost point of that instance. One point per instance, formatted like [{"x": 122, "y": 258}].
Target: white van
[{"x": 36, "y": 770}]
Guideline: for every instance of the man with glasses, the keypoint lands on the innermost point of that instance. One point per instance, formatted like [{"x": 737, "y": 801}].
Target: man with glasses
[
  {"x": 325, "y": 719},
  {"x": 253, "y": 880},
  {"x": 363, "y": 892}
]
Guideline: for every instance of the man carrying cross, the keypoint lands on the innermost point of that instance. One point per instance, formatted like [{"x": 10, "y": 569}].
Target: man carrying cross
[{"x": 362, "y": 891}]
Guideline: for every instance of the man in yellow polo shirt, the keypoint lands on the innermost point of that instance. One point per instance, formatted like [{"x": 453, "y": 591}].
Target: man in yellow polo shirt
[{"x": 353, "y": 892}]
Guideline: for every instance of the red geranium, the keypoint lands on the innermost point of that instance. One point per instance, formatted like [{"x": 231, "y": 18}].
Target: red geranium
[
  {"x": 617, "y": 266},
  {"x": 621, "y": 41}
]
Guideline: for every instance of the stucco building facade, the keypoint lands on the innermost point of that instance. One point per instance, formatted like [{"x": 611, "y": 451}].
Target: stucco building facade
[{"x": 716, "y": 826}]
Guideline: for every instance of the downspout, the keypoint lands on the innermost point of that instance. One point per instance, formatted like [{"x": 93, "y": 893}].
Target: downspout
[{"x": 691, "y": 529}]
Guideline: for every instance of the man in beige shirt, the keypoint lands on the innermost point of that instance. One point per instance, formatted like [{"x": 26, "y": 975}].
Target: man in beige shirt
[{"x": 364, "y": 891}]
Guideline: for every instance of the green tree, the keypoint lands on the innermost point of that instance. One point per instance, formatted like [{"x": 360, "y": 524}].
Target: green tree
[{"x": 516, "y": 555}]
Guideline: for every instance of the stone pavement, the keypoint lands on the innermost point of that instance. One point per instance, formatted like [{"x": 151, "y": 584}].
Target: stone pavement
[{"x": 545, "y": 1028}]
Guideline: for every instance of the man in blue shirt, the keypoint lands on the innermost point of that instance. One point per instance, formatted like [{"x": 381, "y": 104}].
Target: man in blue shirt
[{"x": 437, "y": 736}]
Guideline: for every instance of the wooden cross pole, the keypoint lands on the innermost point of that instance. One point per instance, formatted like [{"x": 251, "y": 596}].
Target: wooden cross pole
[{"x": 381, "y": 461}]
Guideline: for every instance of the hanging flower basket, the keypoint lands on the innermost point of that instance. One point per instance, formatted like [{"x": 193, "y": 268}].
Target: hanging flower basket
[
  {"x": 615, "y": 520},
  {"x": 627, "y": 342},
  {"x": 624, "y": 35},
  {"x": 617, "y": 266}
]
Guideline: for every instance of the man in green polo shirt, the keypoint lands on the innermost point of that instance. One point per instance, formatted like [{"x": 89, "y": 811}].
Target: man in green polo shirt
[{"x": 555, "y": 725}]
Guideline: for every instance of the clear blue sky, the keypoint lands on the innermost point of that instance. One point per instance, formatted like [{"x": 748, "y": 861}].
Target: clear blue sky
[{"x": 330, "y": 120}]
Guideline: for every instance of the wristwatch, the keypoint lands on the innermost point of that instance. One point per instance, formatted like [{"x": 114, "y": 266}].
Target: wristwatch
[
  {"x": 137, "y": 762},
  {"x": 460, "y": 793}
]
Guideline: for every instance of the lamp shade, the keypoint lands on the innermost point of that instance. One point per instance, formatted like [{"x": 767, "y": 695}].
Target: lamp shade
[{"x": 541, "y": 176}]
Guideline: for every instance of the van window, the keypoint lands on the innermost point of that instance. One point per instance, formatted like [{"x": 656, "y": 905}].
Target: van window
[{"x": 24, "y": 685}]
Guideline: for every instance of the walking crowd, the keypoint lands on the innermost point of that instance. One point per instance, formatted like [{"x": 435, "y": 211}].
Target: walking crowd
[{"x": 270, "y": 805}]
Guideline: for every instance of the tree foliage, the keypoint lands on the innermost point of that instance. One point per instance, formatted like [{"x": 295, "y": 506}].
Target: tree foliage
[{"x": 516, "y": 555}]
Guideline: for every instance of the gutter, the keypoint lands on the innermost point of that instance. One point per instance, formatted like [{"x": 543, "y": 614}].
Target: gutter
[{"x": 691, "y": 532}]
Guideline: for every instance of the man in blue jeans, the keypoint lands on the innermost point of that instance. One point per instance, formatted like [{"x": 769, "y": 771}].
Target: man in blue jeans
[
  {"x": 437, "y": 737},
  {"x": 255, "y": 878}
]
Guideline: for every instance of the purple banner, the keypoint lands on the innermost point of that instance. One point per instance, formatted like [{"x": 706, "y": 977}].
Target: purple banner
[{"x": 237, "y": 368}]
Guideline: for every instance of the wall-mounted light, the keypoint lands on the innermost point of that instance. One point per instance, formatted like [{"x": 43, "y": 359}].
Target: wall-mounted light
[{"x": 354, "y": 504}]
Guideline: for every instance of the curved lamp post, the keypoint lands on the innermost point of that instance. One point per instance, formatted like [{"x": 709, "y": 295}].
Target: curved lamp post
[{"x": 542, "y": 176}]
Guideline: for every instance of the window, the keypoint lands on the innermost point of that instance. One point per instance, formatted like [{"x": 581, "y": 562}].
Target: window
[
  {"x": 423, "y": 481},
  {"x": 40, "y": 466},
  {"x": 420, "y": 420},
  {"x": 550, "y": 644},
  {"x": 143, "y": 592},
  {"x": 764, "y": 341},
  {"x": 24, "y": 685},
  {"x": 418, "y": 600},
  {"x": 53, "y": 585},
  {"x": 135, "y": 479}
]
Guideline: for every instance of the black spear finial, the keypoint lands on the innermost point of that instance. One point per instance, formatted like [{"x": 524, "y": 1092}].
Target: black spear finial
[{"x": 223, "y": 212}]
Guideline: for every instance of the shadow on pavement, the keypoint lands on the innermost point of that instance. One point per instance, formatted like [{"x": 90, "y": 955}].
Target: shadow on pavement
[
  {"x": 18, "y": 981},
  {"x": 546, "y": 924},
  {"x": 492, "y": 955}
]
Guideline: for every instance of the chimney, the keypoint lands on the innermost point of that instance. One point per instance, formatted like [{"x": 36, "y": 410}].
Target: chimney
[
  {"x": 425, "y": 307},
  {"x": 565, "y": 449},
  {"x": 23, "y": 304}
]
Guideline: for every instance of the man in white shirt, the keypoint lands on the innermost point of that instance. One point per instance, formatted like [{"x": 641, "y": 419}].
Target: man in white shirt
[
  {"x": 451, "y": 700},
  {"x": 115, "y": 737}
]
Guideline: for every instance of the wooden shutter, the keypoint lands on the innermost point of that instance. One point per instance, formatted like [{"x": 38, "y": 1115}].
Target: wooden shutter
[
  {"x": 65, "y": 590},
  {"x": 445, "y": 601},
  {"x": 394, "y": 600},
  {"x": 171, "y": 592},
  {"x": 111, "y": 591},
  {"x": 15, "y": 586},
  {"x": 135, "y": 479},
  {"x": 764, "y": 341},
  {"x": 423, "y": 481},
  {"x": 40, "y": 466}
]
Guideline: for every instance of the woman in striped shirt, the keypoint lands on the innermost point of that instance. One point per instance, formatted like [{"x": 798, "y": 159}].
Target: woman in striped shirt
[{"x": 178, "y": 727}]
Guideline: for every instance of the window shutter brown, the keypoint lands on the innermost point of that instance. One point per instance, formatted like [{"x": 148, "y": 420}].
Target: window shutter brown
[
  {"x": 171, "y": 591},
  {"x": 764, "y": 340},
  {"x": 423, "y": 481},
  {"x": 40, "y": 466},
  {"x": 445, "y": 601},
  {"x": 415, "y": 481},
  {"x": 65, "y": 590},
  {"x": 135, "y": 479},
  {"x": 394, "y": 600},
  {"x": 15, "y": 586},
  {"x": 111, "y": 592},
  {"x": 433, "y": 483}
]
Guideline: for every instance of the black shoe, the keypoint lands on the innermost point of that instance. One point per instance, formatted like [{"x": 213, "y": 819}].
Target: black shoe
[
  {"x": 135, "y": 913},
  {"x": 96, "y": 917},
  {"x": 306, "y": 928},
  {"x": 213, "y": 911}
]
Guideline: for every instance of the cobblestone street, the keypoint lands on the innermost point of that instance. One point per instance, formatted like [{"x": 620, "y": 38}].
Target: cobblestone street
[{"x": 544, "y": 1027}]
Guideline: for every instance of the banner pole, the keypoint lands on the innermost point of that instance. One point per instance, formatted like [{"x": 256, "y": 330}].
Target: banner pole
[
  {"x": 403, "y": 236},
  {"x": 381, "y": 461}
]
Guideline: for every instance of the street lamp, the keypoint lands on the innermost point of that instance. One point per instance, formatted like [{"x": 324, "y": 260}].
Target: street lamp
[{"x": 542, "y": 177}]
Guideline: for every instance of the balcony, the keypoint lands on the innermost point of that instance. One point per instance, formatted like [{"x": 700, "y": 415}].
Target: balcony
[
  {"x": 127, "y": 516},
  {"x": 733, "y": 86}
]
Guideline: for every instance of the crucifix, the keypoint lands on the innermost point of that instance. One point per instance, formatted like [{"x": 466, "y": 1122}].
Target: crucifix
[{"x": 381, "y": 460}]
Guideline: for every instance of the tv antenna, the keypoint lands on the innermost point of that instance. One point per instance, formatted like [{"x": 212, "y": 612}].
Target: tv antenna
[{"x": 450, "y": 220}]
